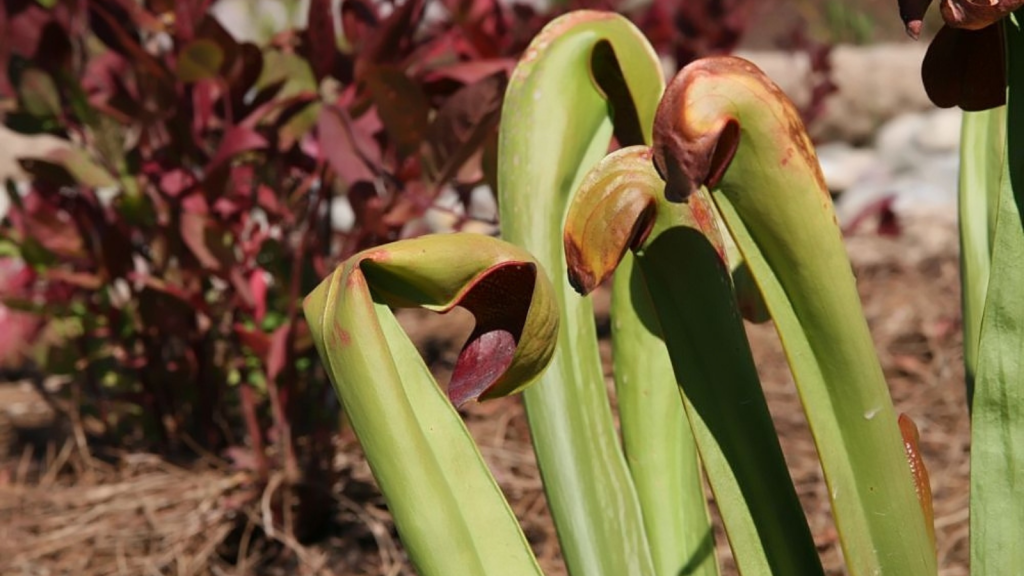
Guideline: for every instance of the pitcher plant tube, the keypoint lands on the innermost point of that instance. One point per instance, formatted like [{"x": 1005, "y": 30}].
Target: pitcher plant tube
[
  {"x": 725, "y": 126},
  {"x": 449, "y": 511}
]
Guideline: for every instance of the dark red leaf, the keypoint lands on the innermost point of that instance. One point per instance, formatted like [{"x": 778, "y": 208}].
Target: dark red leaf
[
  {"x": 255, "y": 339},
  {"x": 237, "y": 140},
  {"x": 106, "y": 20},
  {"x": 471, "y": 71},
  {"x": 323, "y": 44},
  {"x": 55, "y": 51},
  {"x": 105, "y": 77},
  {"x": 393, "y": 38},
  {"x": 358, "y": 20},
  {"x": 78, "y": 279},
  {"x": 401, "y": 105},
  {"x": 189, "y": 296},
  {"x": 278, "y": 353},
  {"x": 462, "y": 124},
  {"x": 174, "y": 182},
  {"x": 17, "y": 329},
  {"x": 196, "y": 204},
  {"x": 344, "y": 148},
  {"x": 268, "y": 200},
  {"x": 135, "y": 14},
  {"x": 242, "y": 289},
  {"x": 241, "y": 81},
  {"x": 166, "y": 315},
  {"x": 22, "y": 25},
  {"x": 367, "y": 206},
  {"x": 187, "y": 14},
  {"x": 207, "y": 241},
  {"x": 258, "y": 286}
]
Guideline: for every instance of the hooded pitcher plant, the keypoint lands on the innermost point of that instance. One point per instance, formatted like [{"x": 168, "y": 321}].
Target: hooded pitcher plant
[
  {"x": 448, "y": 509},
  {"x": 680, "y": 263},
  {"x": 638, "y": 507},
  {"x": 725, "y": 126}
]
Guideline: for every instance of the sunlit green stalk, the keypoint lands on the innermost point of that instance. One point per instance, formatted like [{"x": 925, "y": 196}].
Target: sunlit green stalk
[
  {"x": 656, "y": 436},
  {"x": 556, "y": 123},
  {"x": 982, "y": 172}
]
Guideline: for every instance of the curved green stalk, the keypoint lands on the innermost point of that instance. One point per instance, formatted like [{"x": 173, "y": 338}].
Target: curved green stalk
[
  {"x": 997, "y": 419},
  {"x": 724, "y": 124},
  {"x": 982, "y": 173},
  {"x": 656, "y": 436},
  {"x": 680, "y": 260},
  {"x": 449, "y": 511},
  {"x": 556, "y": 123}
]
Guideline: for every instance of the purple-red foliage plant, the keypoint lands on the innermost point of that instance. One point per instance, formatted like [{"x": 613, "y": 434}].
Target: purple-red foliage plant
[{"x": 190, "y": 206}]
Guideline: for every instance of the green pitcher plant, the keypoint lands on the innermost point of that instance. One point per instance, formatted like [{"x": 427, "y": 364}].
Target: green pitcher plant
[
  {"x": 724, "y": 125},
  {"x": 712, "y": 208},
  {"x": 447, "y": 507}
]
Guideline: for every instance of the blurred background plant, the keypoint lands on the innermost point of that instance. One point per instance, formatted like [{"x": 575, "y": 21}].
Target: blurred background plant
[{"x": 216, "y": 159}]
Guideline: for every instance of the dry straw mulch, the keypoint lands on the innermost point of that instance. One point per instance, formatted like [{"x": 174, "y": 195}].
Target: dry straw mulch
[{"x": 148, "y": 517}]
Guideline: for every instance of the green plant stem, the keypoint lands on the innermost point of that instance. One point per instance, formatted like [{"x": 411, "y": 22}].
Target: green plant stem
[
  {"x": 656, "y": 436},
  {"x": 982, "y": 172},
  {"x": 556, "y": 124}
]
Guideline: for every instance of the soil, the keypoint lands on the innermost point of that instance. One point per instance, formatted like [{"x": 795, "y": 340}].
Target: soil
[{"x": 146, "y": 516}]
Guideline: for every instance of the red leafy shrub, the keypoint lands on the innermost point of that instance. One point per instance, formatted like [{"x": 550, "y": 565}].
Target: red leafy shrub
[
  {"x": 18, "y": 327},
  {"x": 191, "y": 207}
]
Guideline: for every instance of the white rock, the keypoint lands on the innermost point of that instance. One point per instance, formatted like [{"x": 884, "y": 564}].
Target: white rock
[
  {"x": 478, "y": 227},
  {"x": 940, "y": 131},
  {"x": 896, "y": 141},
  {"x": 258, "y": 21},
  {"x": 343, "y": 218},
  {"x": 875, "y": 83},
  {"x": 933, "y": 182},
  {"x": 787, "y": 69},
  {"x": 853, "y": 202},
  {"x": 914, "y": 194},
  {"x": 446, "y": 213},
  {"x": 482, "y": 204},
  {"x": 844, "y": 166},
  {"x": 14, "y": 145}
]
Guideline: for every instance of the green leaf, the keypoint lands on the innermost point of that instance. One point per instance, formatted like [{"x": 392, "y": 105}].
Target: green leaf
[
  {"x": 982, "y": 173},
  {"x": 68, "y": 167},
  {"x": 38, "y": 94},
  {"x": 200, "y": 59},
  {"x": 997, "y": 419}
]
